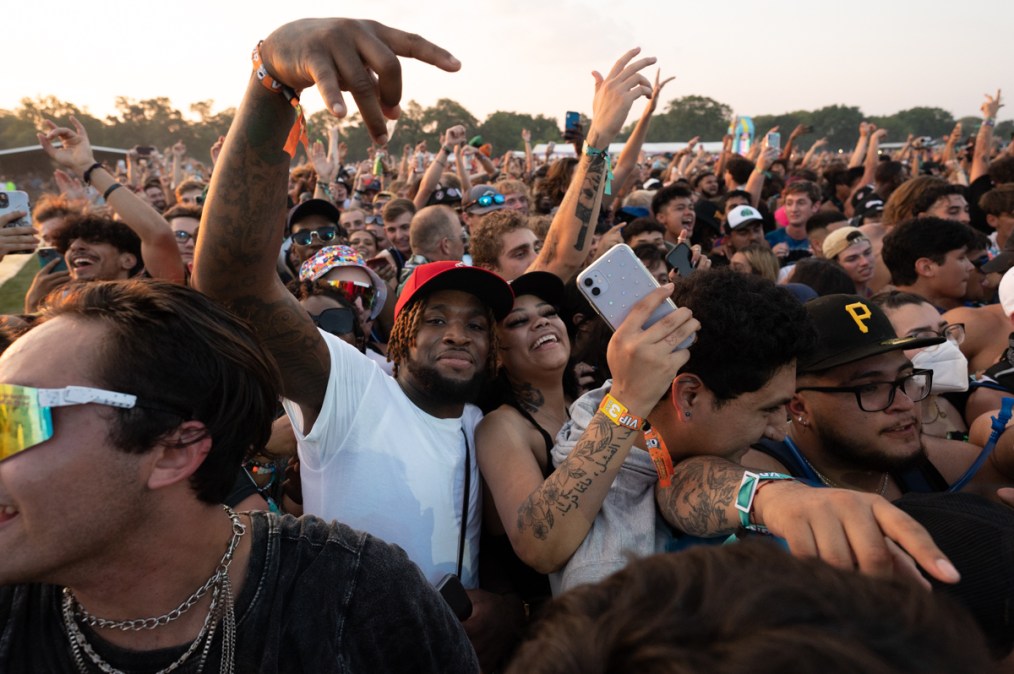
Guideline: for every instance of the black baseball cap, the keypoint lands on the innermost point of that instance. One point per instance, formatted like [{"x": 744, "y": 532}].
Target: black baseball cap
[
  {"x": 850, "y": 328},
  {"x": 543, "y": 284},
  {"x": 313, "y": 207}
]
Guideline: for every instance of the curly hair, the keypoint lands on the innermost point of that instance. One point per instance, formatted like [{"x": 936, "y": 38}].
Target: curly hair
[
  {"x": 750, "y": 328},
  {"x": 486, "y": 242},
  {"x": 406, "y": 328},
  {"x": 95, "y": 228}
]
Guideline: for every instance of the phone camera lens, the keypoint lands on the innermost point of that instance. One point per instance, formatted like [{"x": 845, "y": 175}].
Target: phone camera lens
[
  {"x": 596, "y": 291},
  {"x": 588, "y": 282}
]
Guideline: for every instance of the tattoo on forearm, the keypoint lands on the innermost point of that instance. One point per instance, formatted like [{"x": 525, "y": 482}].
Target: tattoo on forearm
[
  {"x": 699, "y": 498},
  {"x": 561, "y": 493},
  {"x": 586, "y": 199}
]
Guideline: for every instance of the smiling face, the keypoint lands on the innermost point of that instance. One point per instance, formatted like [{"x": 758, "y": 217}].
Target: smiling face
[
  {"x": 677, "y": 216},
  {"x": 47, "y": 539},
  {"x": 533, "y": 339},
  {"x": 397, "y": 232},
  {"x": 855, "y": 439},
  {"x": 89, "y": 261}
]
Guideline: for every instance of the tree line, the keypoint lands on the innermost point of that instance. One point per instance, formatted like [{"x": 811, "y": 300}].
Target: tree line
[{"x": 158, "y": 123}]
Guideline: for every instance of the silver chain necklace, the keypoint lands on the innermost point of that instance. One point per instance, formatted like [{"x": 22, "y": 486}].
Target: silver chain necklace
[
  {"x": 831, "y": 483},
  {"x": 221, "y": 609}
]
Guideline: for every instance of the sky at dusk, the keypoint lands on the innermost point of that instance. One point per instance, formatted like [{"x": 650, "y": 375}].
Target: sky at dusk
[{"x": 534, "y": 56}]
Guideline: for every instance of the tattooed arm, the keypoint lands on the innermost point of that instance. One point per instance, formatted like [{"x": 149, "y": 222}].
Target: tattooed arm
[
  {"x": 847, "y": 529},
  {"x": 547, "y": 519},
  {"x": 243, "y": 220},
  {"x": 570, "y": 235}
]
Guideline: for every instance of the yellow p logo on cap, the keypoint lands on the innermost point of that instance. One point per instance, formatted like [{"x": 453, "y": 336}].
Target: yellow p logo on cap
[{"x": 859, "y": 313}]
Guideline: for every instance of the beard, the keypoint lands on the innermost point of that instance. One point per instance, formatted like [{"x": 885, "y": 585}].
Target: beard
[
  {"x": 854, "y": 454},
  {"x": 429, "y": 380}
]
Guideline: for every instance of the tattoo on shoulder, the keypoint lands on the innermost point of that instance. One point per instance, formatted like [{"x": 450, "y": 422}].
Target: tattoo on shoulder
[{"x": 561, "y": 493}]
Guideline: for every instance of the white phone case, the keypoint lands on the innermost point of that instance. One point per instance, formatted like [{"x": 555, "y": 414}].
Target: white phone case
[
  {"x": 16, "y": 201},
  {"x": 617, "y": 281}
]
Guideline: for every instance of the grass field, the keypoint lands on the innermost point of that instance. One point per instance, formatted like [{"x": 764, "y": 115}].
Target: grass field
[{"x": 12, "y": 292}]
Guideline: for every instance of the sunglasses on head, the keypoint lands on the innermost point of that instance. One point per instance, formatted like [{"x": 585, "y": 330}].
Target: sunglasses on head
[
  {"x": 354, "y": 289},
  {"x": 488, "y": 200},
  {"x": 374, "y": 220},
  {"x": 339, "y": 321},
  {"x": 26, "y": 416},
  {"x": 324, "y": 234},
  {"x": 184, "y": 236},
  {"x": 441, "y": 195}
]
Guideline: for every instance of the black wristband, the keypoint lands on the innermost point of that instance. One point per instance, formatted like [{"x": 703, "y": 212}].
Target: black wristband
[
  {"x": 88, "y": 172},
  {"x": 112, "y": 188},
  {"x": 447, "y": 149}
]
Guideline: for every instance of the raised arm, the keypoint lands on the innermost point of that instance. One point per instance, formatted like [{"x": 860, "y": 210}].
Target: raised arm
[
  {"x": 452, "y": 138},
  {"x": 844, "y": 528},
  {"x": 573, "y": 226},
  {"x": 241, "y": 229},
  {"x": 984, "y": 139},
  {"x": 547, "y": 520},
  {"x": 159, "y": 251},
  {"x": 526, "y": 136},
  {"x": 755, "y": 184},
  {"x": 859, "y": 154},
  {"x": 632, "y": 148}
]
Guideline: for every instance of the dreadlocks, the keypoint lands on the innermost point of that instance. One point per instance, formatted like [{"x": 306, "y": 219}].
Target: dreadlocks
[{"x": 406, "y": 327}]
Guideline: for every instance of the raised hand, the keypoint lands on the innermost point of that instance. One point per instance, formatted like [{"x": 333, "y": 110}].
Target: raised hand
[
  {"x": 526, "y": 135},
  {"x": 351, "y": 55},
  {"x": 69, "y": 185},
  {"x": 991, "y": 105},
  {"x": 322, "y": 164},
  {"x": 75, "y": 150},
  {"x": 615, "y": 94},
  {"x": 657, "y": 89}
]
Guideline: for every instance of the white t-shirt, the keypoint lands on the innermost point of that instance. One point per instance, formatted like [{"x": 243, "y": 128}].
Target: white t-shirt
[{"x": 376, "y": 462}]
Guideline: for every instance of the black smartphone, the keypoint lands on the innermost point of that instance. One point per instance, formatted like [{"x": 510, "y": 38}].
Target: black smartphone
[
  {"x": 453, "y": 592},
  {"x": 47, "y": 255},
  {"x": 679, "y": 259}
]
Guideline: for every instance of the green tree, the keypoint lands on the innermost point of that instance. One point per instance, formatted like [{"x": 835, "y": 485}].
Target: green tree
[
  {"x": 503, "y": 130},
  {"x": 920, "y": 121},
  {"x": 690, "y": 116}
]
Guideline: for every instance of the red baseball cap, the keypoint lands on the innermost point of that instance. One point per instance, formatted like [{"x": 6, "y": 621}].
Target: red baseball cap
[{"x": 428, "y": 278}]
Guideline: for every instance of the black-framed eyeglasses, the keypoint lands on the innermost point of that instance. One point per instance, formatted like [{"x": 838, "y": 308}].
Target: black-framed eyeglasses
[
  {"x": 877, "y": 396},
  {"x": 183, "y": 236},
  {"x": 952, "y": 332},
  {"x": 324, "y": 234},
  {"x": 338, "y": 321}
]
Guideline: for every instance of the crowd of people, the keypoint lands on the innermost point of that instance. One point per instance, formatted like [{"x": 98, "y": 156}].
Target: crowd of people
[{"x": 355, "y": 413}]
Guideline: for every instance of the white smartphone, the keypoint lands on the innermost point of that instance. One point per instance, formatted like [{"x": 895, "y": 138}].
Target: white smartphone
[
  {"x": 617, "y": 281},
  {"x": 16, "y": 201}
]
